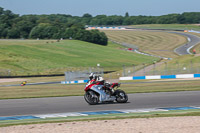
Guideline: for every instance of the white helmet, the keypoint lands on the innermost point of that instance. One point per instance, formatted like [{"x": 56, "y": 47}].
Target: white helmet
[
  {"x": 91, "y": 76},
  {"x": 100, "y": 78}
]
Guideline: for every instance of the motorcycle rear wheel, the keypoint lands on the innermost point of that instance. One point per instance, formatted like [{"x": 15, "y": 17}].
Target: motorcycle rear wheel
[{"x": 91, "y": 97}]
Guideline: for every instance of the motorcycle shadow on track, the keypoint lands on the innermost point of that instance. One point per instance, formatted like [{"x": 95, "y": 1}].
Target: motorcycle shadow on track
[{"x": 109, "y": 103}]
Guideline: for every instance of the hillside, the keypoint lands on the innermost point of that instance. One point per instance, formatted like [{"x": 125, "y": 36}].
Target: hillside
[{"x": 23, "y": 57}]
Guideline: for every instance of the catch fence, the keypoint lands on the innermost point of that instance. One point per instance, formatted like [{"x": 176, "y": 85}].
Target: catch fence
[
  {"x": 83, "y": 74},
  {"x": 164, "y": 69},
  {"x": 72, "y": 74}
]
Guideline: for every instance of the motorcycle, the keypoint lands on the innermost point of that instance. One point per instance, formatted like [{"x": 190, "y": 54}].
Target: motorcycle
[{"x": 101, "y": 92}]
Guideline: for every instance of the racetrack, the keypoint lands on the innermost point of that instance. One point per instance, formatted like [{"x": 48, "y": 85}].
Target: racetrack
[
  {"x": 184, "y": 49},
  {"x": 50, "y": 105},
  {"x": 165, "y": 44}
]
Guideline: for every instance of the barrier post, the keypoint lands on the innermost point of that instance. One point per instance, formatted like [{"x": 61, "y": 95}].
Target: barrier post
[
  {"x": 123, "y": 73},
  {"x": 144, "y": 69},
  {"x": 165, "y": 68},
  {"x": 133, "y": 69}
]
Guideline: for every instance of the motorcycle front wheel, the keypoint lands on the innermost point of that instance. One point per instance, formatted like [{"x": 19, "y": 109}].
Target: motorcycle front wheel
[
  {"x": 91, "y": 97},
  {"x": 121, "y": 96}
]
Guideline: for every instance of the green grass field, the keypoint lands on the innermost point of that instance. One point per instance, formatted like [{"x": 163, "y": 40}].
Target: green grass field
[
  {"x": 153, "y": 42},
  {"x": 24, "y": 57}
]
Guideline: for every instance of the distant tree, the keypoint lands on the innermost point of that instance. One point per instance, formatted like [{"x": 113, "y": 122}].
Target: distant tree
[
  {"x": 168, "y": 19},
  {"x": 87, "y": 15},
  {"x": 127, "y": 21},
  {"x": 181, "y": 19},
  {"x": 43, "y": 31},
  {"x": 103, "y": 38},
  {"x": 13, "y": 33},
  {"x": 66, "y": 26},
  {"x": 24, "y": 28},
  {"x": 189, "y": 18},
  {"x": 83, "y": 35},
  {"x": 114, "y": 20},
  {"x": 78, "y": 26},
  {"x": 98, "y": 37},
  {"x": 3, "y": 31},
  {"x": 86, "y": 18},
  {"x": 70, "y": 33},
  {"x": 1, "y": 10},
  {"x": 99, "y": 20},
  {"x": 6, "y": 21},
  {"x": 93, "y": 36},
  {"x": 126, "y": 14}
]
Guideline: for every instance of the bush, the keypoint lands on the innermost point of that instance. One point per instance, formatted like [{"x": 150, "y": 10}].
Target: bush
[
  {"x": 93, "y": 36},
  {"x": 43, "y": 31}
]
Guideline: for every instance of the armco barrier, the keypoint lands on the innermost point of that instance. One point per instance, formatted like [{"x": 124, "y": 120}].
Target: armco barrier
[
  {"x": 178, "y": 76},
  {"x": 107, "y": 28},
  {"x": 74, "y": 82}
]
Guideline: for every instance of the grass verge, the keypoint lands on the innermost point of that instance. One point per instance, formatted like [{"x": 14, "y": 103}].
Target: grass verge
[{"x": 59, "y": 90}]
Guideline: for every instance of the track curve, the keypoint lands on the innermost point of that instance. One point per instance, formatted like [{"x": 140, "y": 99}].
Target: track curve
[
  {"x": 192, "y": 41},
  {"x": 35, "y": 106}
]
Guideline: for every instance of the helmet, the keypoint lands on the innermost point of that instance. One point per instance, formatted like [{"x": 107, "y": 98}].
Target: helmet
[
  {"x": 100, "y": 78},
  {"x": 91, "y": 76},
  {"x": 95, "y": 77}
]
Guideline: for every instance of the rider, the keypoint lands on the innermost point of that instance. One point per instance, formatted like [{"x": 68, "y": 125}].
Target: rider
[
  {"x": 23, "y": 83},
  {"x": 92, "y": 79},
  {"x": 98, "y": 80}
]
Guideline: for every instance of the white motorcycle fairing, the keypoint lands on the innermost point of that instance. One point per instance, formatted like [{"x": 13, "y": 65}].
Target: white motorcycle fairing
[{"x": 103, "y": 97}]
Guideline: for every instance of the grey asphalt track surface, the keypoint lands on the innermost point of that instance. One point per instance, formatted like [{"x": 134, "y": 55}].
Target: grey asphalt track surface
[
  {"x": 35, "y": 106},
  {"x": 183, "y": 49}
]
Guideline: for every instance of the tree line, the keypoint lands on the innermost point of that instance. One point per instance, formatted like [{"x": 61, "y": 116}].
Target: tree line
[{"x": 56, "y": 26}]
